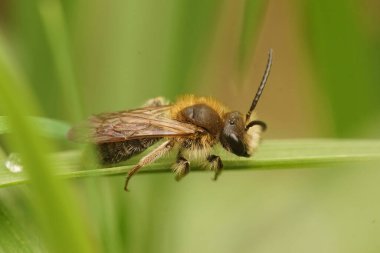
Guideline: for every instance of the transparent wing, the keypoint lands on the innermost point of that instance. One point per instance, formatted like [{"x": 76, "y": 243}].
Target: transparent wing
[{"x": 147, "y": 122}]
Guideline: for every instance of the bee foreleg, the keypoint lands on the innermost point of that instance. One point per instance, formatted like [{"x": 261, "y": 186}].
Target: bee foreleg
[
  {"x": 216, "y": 165},
  {"x": 149, "y": 158},
  {"x": 181, "y": 168}
]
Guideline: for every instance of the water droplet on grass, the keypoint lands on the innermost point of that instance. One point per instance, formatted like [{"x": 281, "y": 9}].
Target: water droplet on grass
[{"x": 13, "y": 163}]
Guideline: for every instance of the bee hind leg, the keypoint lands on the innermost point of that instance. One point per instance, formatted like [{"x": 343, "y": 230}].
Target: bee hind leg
[
  {"x": 216, "y": 165},
  {"x": 148, "y": 159},
  {"x": 181, "y": 168}
]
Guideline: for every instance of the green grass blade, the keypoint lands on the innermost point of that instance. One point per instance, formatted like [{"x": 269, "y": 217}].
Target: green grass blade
[
  {"x": 273, "y": 154},
  {"x": 343, "y": 58},
  {"x": 253, "y": 13},
  {"x": 52, "y": 199},
  {"x": 191, "y": 41},
  {"x": 47, "y": 127},
  {"x": 13, "y": 238},
  {"x": 55, "y": 27}
]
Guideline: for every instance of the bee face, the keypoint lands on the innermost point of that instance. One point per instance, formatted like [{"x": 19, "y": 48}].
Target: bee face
[{"x": 233, "y": 134}]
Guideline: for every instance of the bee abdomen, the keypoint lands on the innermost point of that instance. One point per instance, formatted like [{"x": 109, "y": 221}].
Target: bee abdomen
[{"x": 115, "y": 152}]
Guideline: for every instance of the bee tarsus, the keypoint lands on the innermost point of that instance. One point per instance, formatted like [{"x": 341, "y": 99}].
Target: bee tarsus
[
  {"x": 216, "y": 165},
  {"x": 181, "y": 168}
]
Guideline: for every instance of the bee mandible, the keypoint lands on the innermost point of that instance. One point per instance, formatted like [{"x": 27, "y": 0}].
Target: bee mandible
[{"x": 192, "y": 125}]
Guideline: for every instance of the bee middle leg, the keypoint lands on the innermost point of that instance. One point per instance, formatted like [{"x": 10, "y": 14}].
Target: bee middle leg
[
  {"x": 216, "y": 165},
  {"x": 181, "y": 168}
]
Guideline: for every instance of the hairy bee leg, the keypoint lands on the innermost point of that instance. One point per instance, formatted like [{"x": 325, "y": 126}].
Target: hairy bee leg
[
  {"x": 181, "y": 168},
  {"x": 216, "y": 165},
  {"x": 149, "y": 158}
]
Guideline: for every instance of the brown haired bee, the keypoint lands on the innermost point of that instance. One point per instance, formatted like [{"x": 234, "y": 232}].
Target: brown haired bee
[{"x": 192, "y": 125}]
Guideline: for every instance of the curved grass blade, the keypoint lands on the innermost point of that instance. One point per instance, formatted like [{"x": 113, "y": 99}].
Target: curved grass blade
[{"x": 52, "y": 200}]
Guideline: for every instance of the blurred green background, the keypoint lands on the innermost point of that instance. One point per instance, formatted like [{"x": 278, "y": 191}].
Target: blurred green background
[{"x": 77, "y": 58}]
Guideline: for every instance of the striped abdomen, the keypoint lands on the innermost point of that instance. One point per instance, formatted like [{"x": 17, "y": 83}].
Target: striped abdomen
[{"x": 115, "y": 152}]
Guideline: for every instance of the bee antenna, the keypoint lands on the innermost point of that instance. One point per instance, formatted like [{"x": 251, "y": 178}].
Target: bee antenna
[
  {"x": 256, "y": 122},
  {"x": 261, "y": 87}
]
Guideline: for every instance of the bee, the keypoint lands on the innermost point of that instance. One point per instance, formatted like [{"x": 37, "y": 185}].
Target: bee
[{"x": 192, "y": 126}]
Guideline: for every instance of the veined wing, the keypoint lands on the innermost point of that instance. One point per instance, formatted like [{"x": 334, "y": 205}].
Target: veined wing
[{"x": 146, "y": 122}]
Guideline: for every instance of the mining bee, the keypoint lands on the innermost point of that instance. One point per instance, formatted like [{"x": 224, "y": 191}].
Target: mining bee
[{"x": 192, "y": 125}]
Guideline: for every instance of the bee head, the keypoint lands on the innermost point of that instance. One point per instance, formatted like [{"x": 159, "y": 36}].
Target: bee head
[
  {"x": 233, "y": 136},
  {"x": 236, "y": 136}
]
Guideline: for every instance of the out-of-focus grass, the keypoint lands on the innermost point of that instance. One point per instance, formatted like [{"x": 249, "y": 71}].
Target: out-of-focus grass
[
  {"x": 53, "y": 201},
  {"x": 253, "y": 13},
  {"x": 48, "y": 127},
  {"x": 14, "y": 239},
  {"x": 192, "y": 37},
  {"x": 343, "y": 56},
  {"x": 53, "y": 22}
]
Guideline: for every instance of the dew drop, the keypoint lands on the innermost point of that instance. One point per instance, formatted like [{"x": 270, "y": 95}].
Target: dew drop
[{"x": 13, "y": 163}]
